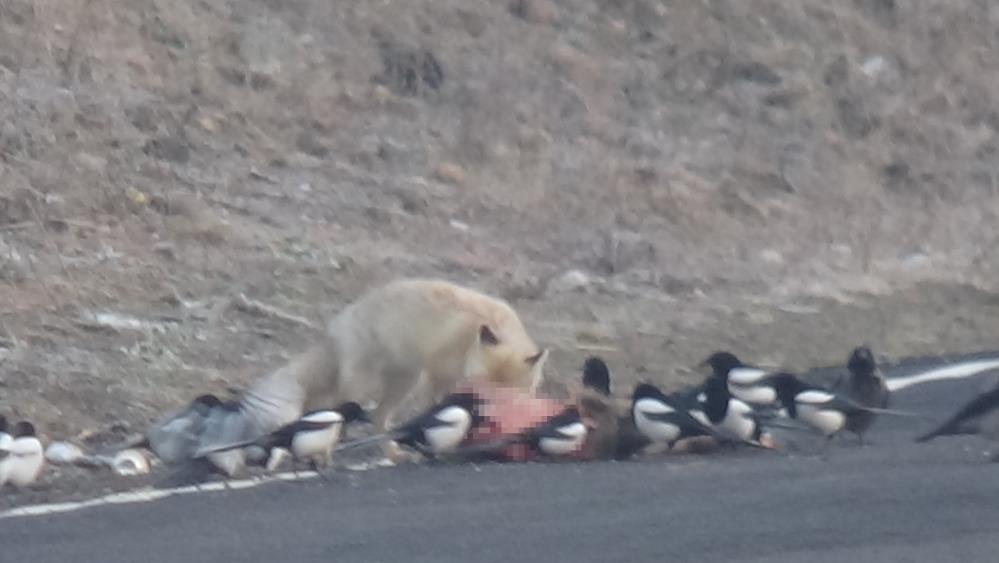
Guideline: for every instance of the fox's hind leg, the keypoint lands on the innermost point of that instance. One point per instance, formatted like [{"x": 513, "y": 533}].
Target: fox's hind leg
[
  {"x": 438, "y": 385},
  {"x": 398, "y": 384}
]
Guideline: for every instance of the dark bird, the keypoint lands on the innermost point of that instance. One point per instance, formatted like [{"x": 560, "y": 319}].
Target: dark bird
[
  {"x": 607, "y": 420},
  {"x": 866, "y": 386},
  {"x": 978, "y": 416},
  {"x": 176, "y": 434},
  {"x": 596, "y": 375}
]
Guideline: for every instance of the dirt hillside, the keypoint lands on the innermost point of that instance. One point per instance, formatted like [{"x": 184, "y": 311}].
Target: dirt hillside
[{"x": 188, "y": 189}]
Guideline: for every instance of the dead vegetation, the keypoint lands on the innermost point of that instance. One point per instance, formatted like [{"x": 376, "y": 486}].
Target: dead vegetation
[{"x": 188, "y": 189}]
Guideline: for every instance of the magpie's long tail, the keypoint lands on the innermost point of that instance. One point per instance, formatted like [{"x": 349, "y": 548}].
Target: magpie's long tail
[
  {"x": 893, "y": 412},
  {"x": 367, "y": 440},
  {"x": 949, "y": 428},
  {"x": 201, "y": 452}
]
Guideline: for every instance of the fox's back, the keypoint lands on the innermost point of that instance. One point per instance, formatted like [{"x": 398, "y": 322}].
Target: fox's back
[{"x": 418, "y": 320}]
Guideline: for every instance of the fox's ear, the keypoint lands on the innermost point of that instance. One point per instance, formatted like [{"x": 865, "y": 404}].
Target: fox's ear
[
  {"x": 537, "y": 358},
  {"x": 487, "y": 336}
]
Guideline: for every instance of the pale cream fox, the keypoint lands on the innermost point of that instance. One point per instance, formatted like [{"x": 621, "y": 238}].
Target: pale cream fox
[{"x": 408, "y": 334}]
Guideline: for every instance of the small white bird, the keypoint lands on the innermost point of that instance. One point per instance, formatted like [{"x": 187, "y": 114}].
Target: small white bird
[{"x": 21, "y": 462}]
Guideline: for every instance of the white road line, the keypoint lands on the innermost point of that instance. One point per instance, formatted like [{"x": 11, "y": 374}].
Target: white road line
[
  {"x": 953, "y": 371},
  {"x": 149, "y": 495}
]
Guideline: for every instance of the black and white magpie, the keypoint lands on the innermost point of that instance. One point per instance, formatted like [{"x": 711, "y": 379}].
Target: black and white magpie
[
  {"x": 662, "y": 418},
  {"x": 311, "y": 438},
  {"x": 728, "y": 417},
  {"x": 558, "y": 435},
  {"x": 439, "y": 430},
  {"x": 748, "y": 383},
  {"x": 821, "y": 409}
]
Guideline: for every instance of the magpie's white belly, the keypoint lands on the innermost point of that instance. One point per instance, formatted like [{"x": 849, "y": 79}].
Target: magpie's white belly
[
  {"x": 315, "y": 443},
  {"x": 447, "y": 438},
  {"x": 656, "y": 430},
  {"x": 736, "y": 425},
  {"x": 826, "y": 421},
  {"x": 762, "y": 395},
  {"x": 24, "y": 470},
  {"x": 745, "y": 375}
]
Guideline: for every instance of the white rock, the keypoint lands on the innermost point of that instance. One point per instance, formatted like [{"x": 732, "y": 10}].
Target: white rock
[
  {"x": 130, "y": 462},
  {"x": 771, "y": 256},
  {"x": 873, "y": 66},
  {"x": 63, "y": 453},
  {"x": 573, "y": 280},
  {"x": 914, "y": 261}
]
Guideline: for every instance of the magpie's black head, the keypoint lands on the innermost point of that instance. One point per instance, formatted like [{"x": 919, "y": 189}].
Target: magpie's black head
[
  {"x": 203, "y": 404},
  {"x": 23, "y": 429},
  {"x": 3, "y": 423},
  {"x": 465, "y": 400},
  {"x": 596, "y": 376},
  {"x": 570, "y": 412},
  {"x": 716, "y": 399},
  {"x": 207, "y": 400},
  {"x": 787, "y": 386},
  {"x": 862, "y": 362},
  {"x": 351, "y": 411},
  {"x": 646, "y": 391},
  {"x": 721, "y": 363}
]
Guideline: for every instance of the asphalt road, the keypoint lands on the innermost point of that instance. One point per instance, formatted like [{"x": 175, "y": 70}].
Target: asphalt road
[{"x": 891, "y": 501}]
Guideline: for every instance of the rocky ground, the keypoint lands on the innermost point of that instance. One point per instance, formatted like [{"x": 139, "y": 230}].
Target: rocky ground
[{"x": 188, "y": 189}]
